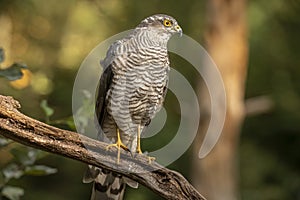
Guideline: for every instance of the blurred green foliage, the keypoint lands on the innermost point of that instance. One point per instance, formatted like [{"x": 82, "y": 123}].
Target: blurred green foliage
[
  {"x": 23, "y": 162},
  {"x": 12, "y": 72},
  {"x": 270, "y": 159},
  {"x": 53, "y": 37}
]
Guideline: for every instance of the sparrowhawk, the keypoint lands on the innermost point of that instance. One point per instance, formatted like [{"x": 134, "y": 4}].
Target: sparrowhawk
[{"x": 131, "y": 91}]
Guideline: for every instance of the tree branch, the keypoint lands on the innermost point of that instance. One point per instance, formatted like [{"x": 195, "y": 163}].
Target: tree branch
[{"x": 30, "y": 132}]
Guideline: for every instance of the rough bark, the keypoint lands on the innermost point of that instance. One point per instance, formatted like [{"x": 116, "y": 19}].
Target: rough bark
[
  {"x": 226, "y": 41},
  {"x": 30, "y": 132}
]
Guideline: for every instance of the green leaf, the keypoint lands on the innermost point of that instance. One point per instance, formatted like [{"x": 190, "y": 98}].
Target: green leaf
[
  {"x": 13, "y": 72},
  {"x": 47, "y": 110},
  {"x": 12, "y": 193},
  {"x": 39, "y": 170},
  {"x": 4, "y": 142},
  {"x": 24, "y": 155},
  {"x": 1, "y": 55},
  {"x": 40, "y": 154},
  {"x": 12, "y": 171},
  {"x": 85, "y": 113},
  {"x": 65, "y": 123},
  {"x": 27, "y": 155},
  {"x": 70, "y": 122}
]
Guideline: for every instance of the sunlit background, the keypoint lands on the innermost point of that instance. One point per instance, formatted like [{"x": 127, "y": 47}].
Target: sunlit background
[{"x": 53, "y": 37}]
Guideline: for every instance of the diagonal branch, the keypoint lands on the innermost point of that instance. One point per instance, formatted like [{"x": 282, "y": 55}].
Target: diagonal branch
[{"x": 30, "y": 132}]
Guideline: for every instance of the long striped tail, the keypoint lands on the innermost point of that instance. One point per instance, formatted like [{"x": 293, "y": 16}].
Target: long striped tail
[{"x": 106, "y": 184}]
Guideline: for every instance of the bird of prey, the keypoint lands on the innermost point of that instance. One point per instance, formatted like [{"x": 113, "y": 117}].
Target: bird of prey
[{"x": 131, "y": 91}]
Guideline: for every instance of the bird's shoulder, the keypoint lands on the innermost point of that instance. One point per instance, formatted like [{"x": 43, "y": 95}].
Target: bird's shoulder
[
  {"x": 116, "y": 50},
  {"x": 110, "y": 54}
]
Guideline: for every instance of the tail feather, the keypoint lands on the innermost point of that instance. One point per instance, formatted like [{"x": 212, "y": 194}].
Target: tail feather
[
  {"x": 115, "y": 191},
  {"x": 106, "y": 184}
]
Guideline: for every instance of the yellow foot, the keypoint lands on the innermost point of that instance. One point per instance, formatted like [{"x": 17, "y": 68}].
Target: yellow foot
[
  {"x": 150, "y": 158},
  {"x": 138, "y": 148},
  {"x": 119, "y": 144}
]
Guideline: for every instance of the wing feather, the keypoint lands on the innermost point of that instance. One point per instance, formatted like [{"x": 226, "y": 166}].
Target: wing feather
[
  {"x": 104, "y": 86},
  {"x": 105, "y": 83}
]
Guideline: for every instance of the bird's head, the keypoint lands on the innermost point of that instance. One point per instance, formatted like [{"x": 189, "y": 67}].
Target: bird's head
[{"x": 162, "y": 24}]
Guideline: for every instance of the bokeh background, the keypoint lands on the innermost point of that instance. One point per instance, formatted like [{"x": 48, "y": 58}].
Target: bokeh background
[{"x": 53, "y": 37}]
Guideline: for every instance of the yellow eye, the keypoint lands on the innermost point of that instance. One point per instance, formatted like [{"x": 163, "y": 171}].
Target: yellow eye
[{"x": 167, "y": 23}]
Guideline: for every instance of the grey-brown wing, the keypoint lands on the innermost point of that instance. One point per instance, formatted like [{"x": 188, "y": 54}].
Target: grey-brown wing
[
  {"x": 103, "y": 87},
  {"x": 165, "y": 89},
  {"x": 105, "y": 83}
]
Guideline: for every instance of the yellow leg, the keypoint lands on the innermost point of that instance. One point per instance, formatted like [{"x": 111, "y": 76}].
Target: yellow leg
[
  {"x": 119, "y": 144},
  {"x": 138, "y": 148}
]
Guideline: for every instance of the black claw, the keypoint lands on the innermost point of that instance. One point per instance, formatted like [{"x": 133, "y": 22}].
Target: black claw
[{"x": 131, "y": 153}]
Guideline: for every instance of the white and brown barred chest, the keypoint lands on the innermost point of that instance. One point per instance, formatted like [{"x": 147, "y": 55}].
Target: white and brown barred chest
[
  {"x": 137, "y": 92},
  {"x": 140, "y": 67}
]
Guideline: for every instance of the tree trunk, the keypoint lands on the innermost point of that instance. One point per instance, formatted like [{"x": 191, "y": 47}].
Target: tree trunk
[{"x": 226, "y": 41}]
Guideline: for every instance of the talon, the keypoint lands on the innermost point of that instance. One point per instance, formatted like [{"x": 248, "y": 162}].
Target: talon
[
  {"x": 151, "y": 159},
  {"x": 117, "y": 145}
]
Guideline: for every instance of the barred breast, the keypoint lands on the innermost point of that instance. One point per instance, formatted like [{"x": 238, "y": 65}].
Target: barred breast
[{"x": 140, "y": 70}]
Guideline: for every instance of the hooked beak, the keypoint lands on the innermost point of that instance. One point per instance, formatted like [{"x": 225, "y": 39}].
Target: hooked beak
[{"x": 178, "y": 30}]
